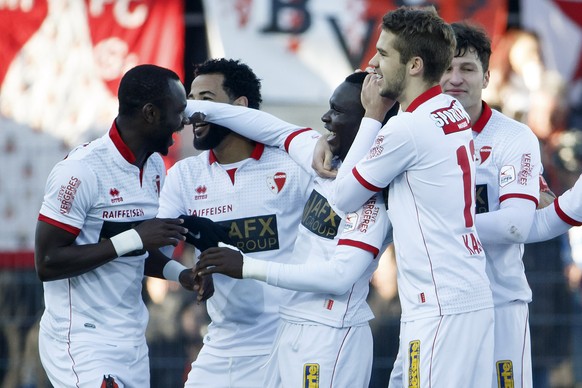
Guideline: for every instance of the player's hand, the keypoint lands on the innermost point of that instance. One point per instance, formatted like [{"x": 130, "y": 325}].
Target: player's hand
[
  {"x": 197, "y": 118},
  {"x": 204, "y": 233},
  {"x": 203, "y": 285},
  {"x": 375, "y": 105},
  {"x": 547, "y": 197},
  {"x": 161, "y": 232},
  {"x": 322, "y": 159},
  {"x": 222, "y": 260}
]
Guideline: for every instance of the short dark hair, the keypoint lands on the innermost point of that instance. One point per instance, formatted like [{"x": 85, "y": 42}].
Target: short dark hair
[
  {"x": 472, "y": 37},
  {"x": 422, "y": 32},
  {"x": 239, "y": 79},
  {"x": 144, "y": 84}
]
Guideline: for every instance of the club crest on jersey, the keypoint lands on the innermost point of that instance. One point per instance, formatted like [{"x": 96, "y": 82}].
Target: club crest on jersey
[
  {"x": 276, "y": 182},
  {"x": 311, "y": 376},
  {"x": 414, "y": 362},
  {"x": 483, "y": 154},
  {"x": 506, "y": 175},
  {"x": 505, "y": 374}
]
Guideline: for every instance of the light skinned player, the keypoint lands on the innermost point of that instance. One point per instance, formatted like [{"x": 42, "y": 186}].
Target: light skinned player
[
  {"x": 324, "y": 338},
  {"x": 425, "y": 154},
  {"x": 257, "y": 192},
  {"x": 96, "y": 237},
  {"x": 508, "y": 170}
]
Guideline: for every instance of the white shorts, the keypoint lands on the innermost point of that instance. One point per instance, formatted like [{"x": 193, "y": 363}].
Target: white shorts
[
  {"x": 319, "y": 356},
  {"x": 86, "y": 364},
  {"x": 512, "y": 346},
  {"x": 447, "y": 351},
  {"x": 226, "y": 372}
]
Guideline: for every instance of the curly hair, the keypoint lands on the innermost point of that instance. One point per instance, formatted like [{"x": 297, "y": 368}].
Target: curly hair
[{"x": 239, "y": 79}]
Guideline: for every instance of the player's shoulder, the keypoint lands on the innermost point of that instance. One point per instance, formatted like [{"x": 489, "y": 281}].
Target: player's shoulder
[
  {"x": 197, "y": 163},
  {"x": 509, "y": 126}
]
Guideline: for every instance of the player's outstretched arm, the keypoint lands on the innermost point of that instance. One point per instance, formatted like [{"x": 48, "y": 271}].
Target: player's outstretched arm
[
  {"x": 335, "y": 276},
  {"x": 57, "y": 257}
]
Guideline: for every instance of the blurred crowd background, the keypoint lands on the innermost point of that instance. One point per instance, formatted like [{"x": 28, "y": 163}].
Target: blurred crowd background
[{"x": 60, "y": 61}]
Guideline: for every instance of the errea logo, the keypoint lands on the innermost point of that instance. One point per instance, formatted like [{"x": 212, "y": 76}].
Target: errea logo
[
  {"x": 200, "y": 192},
  {"x": 115, "y": 196}
]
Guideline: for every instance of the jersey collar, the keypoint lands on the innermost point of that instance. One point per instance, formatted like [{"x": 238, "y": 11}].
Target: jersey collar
[
  {"x": 120, "y": 145},
  {"x": 483, "y": 119},
  {"x": 424, "y": 97},
  {"x": 256, "y": 154}
]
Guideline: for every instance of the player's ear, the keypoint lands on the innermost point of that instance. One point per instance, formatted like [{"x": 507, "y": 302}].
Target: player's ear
[
  {"x": 150, "y": 112},
  {"x": 241, "y": 101}
]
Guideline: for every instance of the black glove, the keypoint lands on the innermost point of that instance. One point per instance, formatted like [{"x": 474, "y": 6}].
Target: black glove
[{"x": 204, "y": 233}]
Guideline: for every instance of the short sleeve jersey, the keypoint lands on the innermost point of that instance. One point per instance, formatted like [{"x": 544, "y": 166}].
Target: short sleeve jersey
[
  {"x": 508, "y": 162},
  {"x": 96, "y": 193},
  {"x": 569, "y": 205},
  {"x": 322, "y": 229},
  {"x": 260, "y": 202},
  {"x": 426, "y": 154}
]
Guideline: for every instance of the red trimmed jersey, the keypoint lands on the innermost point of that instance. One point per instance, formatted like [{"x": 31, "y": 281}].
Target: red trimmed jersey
[
  {"x": 260, "y": 200},
  {"x": 426, "y": 155},
  {"x": 96, "y": 193},
  {"x": 508, "y": 163},
  {"x": 569, "y": 205}
]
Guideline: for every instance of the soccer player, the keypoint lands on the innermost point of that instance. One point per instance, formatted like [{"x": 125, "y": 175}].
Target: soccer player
[
  {"x": 95, "y": 240},
  {"x": 508, "y": 159},
  {"x": 425, "y": 154},
  {"x": 507, "y": 187},
  {"x": 258, "y": 193},
  {"x": 324, "y": 337}
]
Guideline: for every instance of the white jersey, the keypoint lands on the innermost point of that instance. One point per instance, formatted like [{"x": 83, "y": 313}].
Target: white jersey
[
  {"x": 508, "y": 162},
  {"x": 426, "y": 154},
  {"x": 323, "y": 227},
  {"x": 96, "y": 193},
  {"x": 569, "y": 205},
  {"x": 260, "y": 201}
]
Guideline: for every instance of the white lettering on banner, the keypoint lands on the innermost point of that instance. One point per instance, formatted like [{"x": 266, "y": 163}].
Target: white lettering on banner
[
  {"x": 112, "y": 58},
  {"x": 11, "y": 5},
  {"x": 127, "y": 16}
]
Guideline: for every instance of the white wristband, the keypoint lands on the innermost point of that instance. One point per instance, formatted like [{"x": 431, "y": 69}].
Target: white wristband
[
  {"x": 252, "y": 268},
  {"x": 255, "y": 269},
  {"x": 172, "y": 270},
  {"x": 126, "y": 242}
]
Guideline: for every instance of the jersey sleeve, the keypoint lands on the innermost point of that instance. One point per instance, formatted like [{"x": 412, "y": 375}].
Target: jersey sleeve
[
  {"x": 519, "y": 168},
  {"x": 569, "y": 205},
  {"x": 171, "y": 204},
  {"x": 392, "y": 152},
  {"x": 362, "y": 240},
  {"x": 367, "y": 132},
  {"x": 70, "y": 191}
]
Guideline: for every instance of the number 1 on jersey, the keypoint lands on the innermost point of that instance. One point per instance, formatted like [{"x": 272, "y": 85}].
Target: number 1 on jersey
[{"x": 463, "y": 161}]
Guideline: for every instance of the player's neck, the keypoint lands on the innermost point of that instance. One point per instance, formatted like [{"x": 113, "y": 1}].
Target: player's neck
[{"x": 234, "y": 148}]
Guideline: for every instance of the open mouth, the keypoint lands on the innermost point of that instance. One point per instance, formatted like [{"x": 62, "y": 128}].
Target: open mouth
[{"x": 200, "y": 129}]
